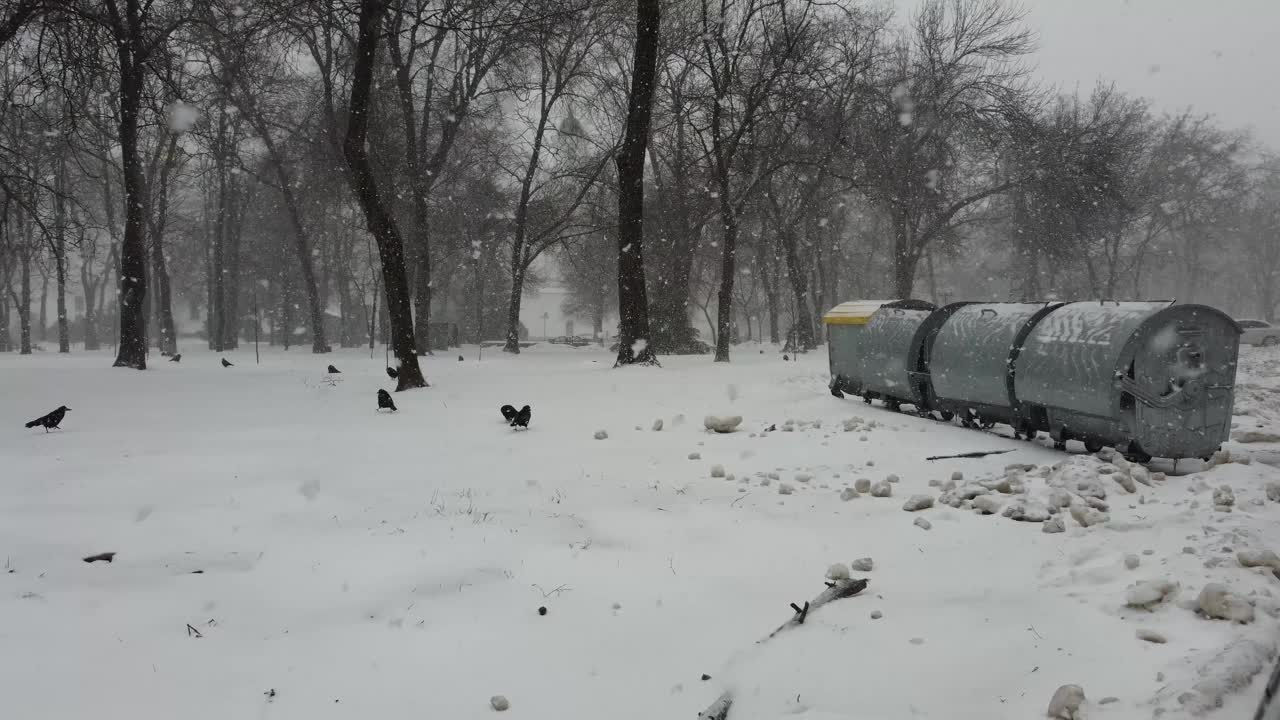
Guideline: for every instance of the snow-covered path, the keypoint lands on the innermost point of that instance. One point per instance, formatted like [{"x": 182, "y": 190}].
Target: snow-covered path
[{"x": 377, "y": 565}]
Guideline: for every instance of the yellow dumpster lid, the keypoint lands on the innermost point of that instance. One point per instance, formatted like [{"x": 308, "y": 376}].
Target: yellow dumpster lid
[{"x": 856, "y": 312}]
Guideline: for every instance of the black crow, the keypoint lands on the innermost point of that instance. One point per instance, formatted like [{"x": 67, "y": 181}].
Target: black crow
[
  {"x": 459, "y": 358},
  {"x": 522, "y": 418},
  {"x": 333, "y": 369},
  {"x": 176, "y": 358},
  {"x": 508, "y": 412},
  {"x": 393, "y": 373},
  {"x": 52, "y": 420},
  {"x": 226, "y": 364},
  {"x": 384, "y": 400}
]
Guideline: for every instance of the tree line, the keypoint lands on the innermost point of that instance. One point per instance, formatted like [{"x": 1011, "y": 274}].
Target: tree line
[{"x": 707, "y": 171}]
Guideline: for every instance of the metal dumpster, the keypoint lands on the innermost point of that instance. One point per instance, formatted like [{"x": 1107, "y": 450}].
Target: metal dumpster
[
  {"x": 973, "y": 359},
  {"x": 1149, "y": 378},
  {"x": 845, "y": 323},
  {"x": 886, "y": 361}
]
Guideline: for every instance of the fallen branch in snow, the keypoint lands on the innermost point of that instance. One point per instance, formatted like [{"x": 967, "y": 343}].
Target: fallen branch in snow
[
  {"x": 192, "y": 632},
  {"x": 106, "y": 556},
  {"x": 842, "y": 588},
  {"x": 976, "y": 454}
]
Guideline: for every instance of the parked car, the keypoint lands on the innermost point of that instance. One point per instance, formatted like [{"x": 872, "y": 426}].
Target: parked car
[
  {"x": 1259, "y": 332},
  {"x": 577, "y": 341}
]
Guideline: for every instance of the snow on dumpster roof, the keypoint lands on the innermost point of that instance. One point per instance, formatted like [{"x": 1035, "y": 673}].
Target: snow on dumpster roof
[{"x": 855, "y": 312}]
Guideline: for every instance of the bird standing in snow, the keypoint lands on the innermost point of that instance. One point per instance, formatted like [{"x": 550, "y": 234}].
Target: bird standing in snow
[
  {"x": 333, "y": 369},
  {"x": 522, "y": 418},
  {"x": 176, "y": 358},
  {"x": 393, "y": 373},
  {"x": 508, "y": 413},
  {"x": 385, "y": 401},
  {"x": 52, "y": 420},
  {"x": 225, "y": 363}
]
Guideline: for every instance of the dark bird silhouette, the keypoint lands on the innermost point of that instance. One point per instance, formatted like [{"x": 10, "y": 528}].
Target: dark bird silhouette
[
  {"x": 385, "y": 401},
  {"x": 176, "y": 358},
  {"x": 459, "y": 358},
  {"x": 52, "y": 420},
  {"x": 393, "y": 373},
  {"x": 522, "y": 418},
  {"x": 508, "y": 412},
  {"x": 333, "y": 369},
  {"x": 225, "y": 363}
]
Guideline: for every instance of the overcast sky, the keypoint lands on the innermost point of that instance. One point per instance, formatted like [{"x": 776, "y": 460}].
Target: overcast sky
[{"x": 1212, "y": 55}]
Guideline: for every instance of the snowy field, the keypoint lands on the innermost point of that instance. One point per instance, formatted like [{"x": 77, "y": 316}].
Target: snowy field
[{"x": 284, "y": 551}]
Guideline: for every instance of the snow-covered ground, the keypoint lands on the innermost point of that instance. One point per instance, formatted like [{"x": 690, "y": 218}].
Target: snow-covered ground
[{"x": 284, "y": 551}]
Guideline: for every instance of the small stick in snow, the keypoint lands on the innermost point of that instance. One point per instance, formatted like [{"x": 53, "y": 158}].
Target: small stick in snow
[
  {"x": 106, "y": 556},
  {"x": 802, "y": 612},
  {"x": 192, "y": 632},
  {"x": 719, "y": 710},
  {"x": 977, "y": 454}
]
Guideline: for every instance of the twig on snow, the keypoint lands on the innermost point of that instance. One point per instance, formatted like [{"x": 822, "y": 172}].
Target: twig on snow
[
  {"x": 192, "y": 632},
  {"x": 719, "y": 710},
  {"x": 975, "y": 454},
  {"x": 106, "y": 557}
]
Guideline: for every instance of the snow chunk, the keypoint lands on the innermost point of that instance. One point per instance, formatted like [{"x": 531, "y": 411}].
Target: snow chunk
[
  {"x": 881, "y": 489},
  {"x": 722, "y": 423},
  {"x": 1026, "y": 511},
  {"x": 695, "y": 456},
  {"x": 717, "y": 471},
  {"x": 918, "y": 502},
  {"x": 1216, "y": 601},
  {"x": 1273, "y": 491},
  {"x": 499, "y": 703},
  {"x": 601, "y": 435},
  {"x": 1131, "y": 561},
  {"x": 848, "y": 494},
  {"x": 1088, "y": 516},
  {"x": 1053, "y": 525},
  {"x": 1066, "y": 701},
  {"x": 987, "y": 504},
  {"x": 1150, "y": 593},
  {"x": 863, "y": 564},
  {"x": 657, "y": 425},
  {"x": 892, "y": 479},
  {"x": 1258, "y": 558},
  {"x": 785, "y": 489},
  {"x": 922, "y": 523},
  {"x": 1224, "y": 497},
  {"x": 838, "y": 571},
  {"x": 803, "y": 477},
  {"x": 862, "y": 485}
]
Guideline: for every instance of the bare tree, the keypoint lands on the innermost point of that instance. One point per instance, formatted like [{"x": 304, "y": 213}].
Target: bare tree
[
  {"x": 560, "y": 165},
  {"x": 381, "y": 223},
  {"x": 747, "y": 46},
  {"x": 633, "y": 302}
]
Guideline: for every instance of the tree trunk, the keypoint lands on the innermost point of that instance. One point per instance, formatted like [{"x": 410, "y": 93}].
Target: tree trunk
[
  {"x": 799, "y": 285},
  {"x": 904, "y": 258},
  {"x": 132, "y": 351},
  {"x": 44, "y": 306},
  {"x": 231, "y": 286},
  {"x": 60, "y": 262},
  {"x": 217, "y": 329},
  {"x": 301, "y": 245},
  {"x": 5, "y": 340},
  {"x": 422, "y": 281},
  {"x": 633, "y": 302},
  {"x": 24, "y": 304},
  {"x": 513, "y": 307},
  {"x": 166, "y": 329},
  {"x": 770, "y": 264},
  {"x": 381, "y": 224}
]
